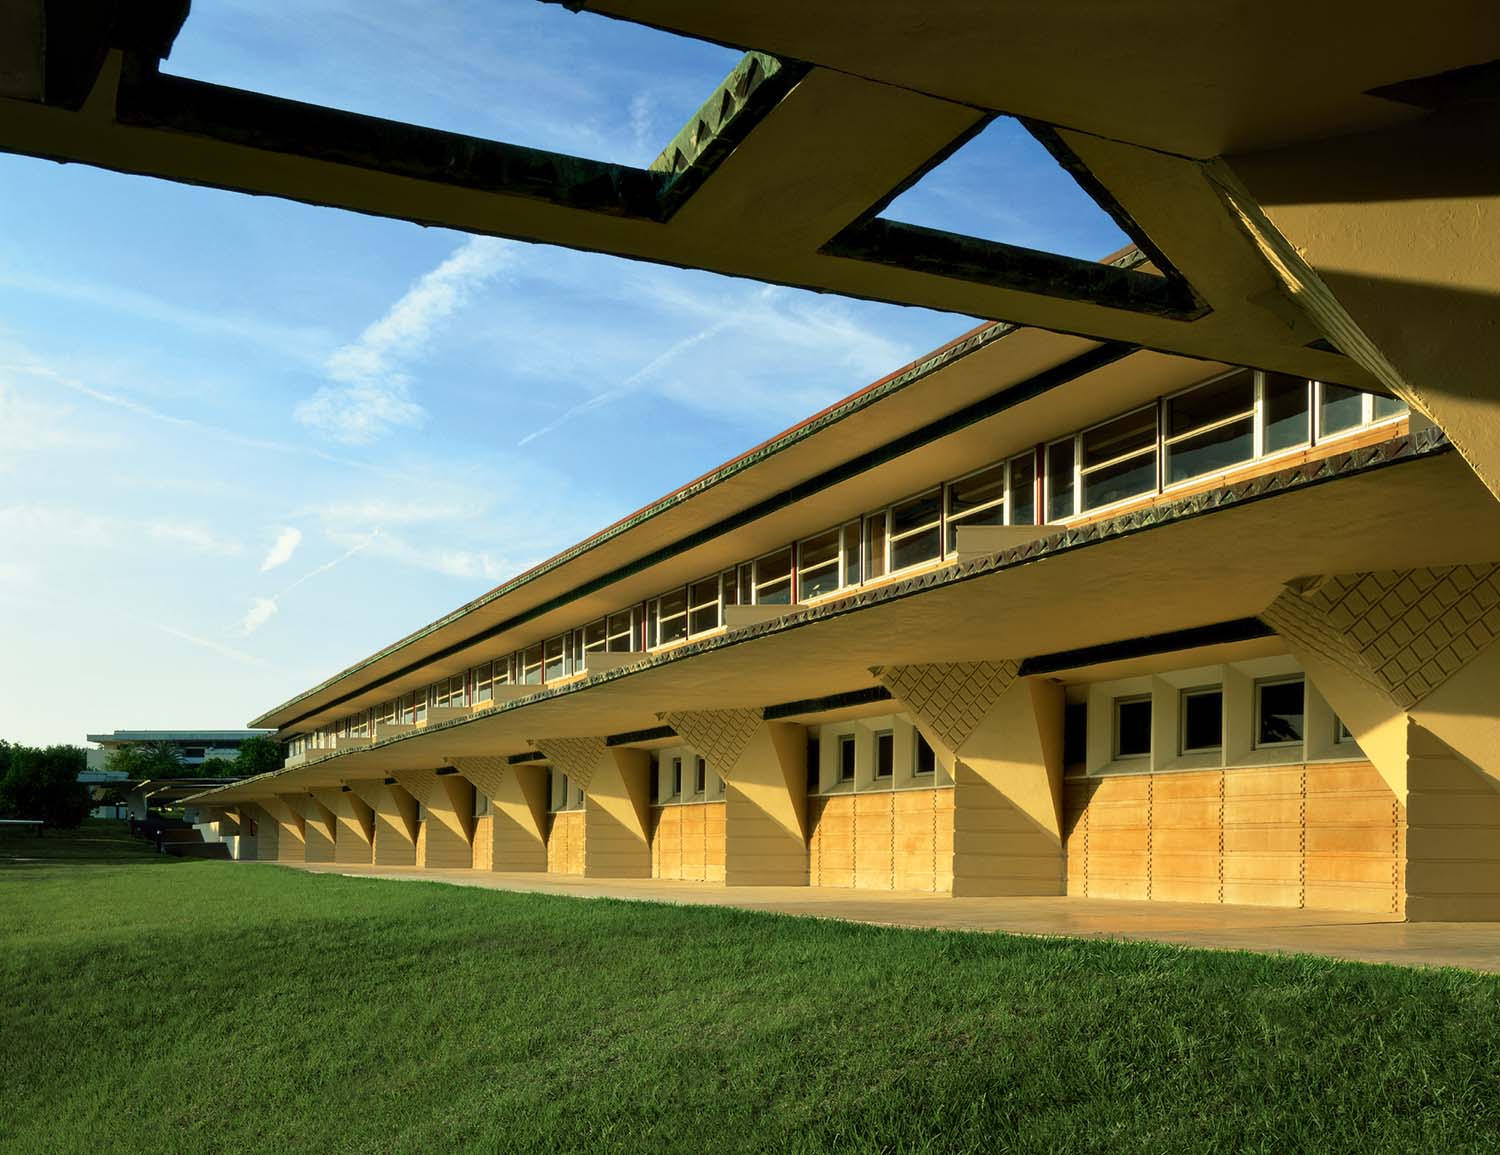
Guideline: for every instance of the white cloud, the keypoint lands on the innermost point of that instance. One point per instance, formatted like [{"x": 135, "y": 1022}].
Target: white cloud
[
  {"x": 642, "y": 120},
  {"x": 281, "y": 552},
  {"x": 370, "y": 394},
  {"x": 55, "y": 525},
  {"x": 260, "y": 612}
]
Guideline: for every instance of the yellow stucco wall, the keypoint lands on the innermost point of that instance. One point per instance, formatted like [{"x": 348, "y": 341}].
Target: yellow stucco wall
[
  {"x": 687, "y": 842},
  {"x": 882, "y": 840},
  {"x": 1321, "y": 836},
  {"x": 565, "y": 842}
]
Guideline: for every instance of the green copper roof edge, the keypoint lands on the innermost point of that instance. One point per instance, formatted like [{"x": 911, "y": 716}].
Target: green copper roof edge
[
  {"x": 1397, "y": 451},
  {"x": 939, "y": 359}
]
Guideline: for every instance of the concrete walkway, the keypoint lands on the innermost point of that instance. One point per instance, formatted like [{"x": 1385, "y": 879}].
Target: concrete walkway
[{"x": 1272, "y": 930}]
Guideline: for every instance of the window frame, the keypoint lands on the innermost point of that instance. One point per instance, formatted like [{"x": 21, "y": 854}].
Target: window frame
[
  {"x": 892, "y": 537},
  {"x": 846, "y": 741},
  {"x": 1115, "y": 707},
  {"x": 953, "y": 522},
  {"x": 835, "y": 563},
  {"x": 1182, "y": 719},
  {"x": 1081, "y": 473},
  {"x": 1253, "y": 414},
  {"x": 790, "y": 577},
  {"x": 1256, "y": 716},
  {"x": 887, "y": 740}
]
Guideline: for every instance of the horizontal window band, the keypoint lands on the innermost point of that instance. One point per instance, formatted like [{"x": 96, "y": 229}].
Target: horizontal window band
[
  {"x": 1219, "y": 633},
  {"x": 650, "y": 734}
]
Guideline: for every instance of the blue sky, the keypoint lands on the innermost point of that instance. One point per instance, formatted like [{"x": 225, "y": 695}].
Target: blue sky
[{"x": 245, "y": 442}]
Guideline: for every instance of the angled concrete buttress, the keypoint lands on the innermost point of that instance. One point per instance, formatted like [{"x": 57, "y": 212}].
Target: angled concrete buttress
[
  {"x": 517, "y": 836},
  {"x": 393, "y": 819},
  {"x": 1408, "y": 660},
  {"x": 1002, "y": 734},
  {"x": 445, "y": 837},
  {"x": 764, "y": 768},
  {"x": 617, "y": 803}
]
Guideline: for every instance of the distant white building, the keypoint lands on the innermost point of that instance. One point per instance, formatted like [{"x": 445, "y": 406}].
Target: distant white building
[{"x": 197, "y": 746}]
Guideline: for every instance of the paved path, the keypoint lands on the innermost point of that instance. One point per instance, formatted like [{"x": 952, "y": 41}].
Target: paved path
[{"x": 1336, "y": 934}]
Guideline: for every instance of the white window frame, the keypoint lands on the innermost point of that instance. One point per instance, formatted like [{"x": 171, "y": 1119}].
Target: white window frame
[
  {"x": 952, "y": 520},
  {"x": 1079, "y": 472},
  {"x": 1279, "y": 680},
  {"x": 840, "y": 743},
  {"x": 1046, "y": 510},
  {"x": 917, "y": 742},
  {"x": 892, "y": 537},
  {"x": 834, "y": 564},
  {"x": 1367, "y": 418},
  {"x": 875, "y": 739},
  {"x": 1028, "y": 456},
  {"x": 1182, "y": 719},
  {"x": 561, "y": 643},
  {"x": 1253, "y": 413},
  {"x": 1115, "y": 705},
  {"x": 757, "y": 585},
  {"x": 658, "y": 618},
  {"x": 717, "y": 605}
]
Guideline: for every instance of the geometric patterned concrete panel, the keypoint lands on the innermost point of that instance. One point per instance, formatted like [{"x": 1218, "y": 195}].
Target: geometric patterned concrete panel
[
  {"x": 575, "y": 757},
  {"x": 486, "y": 773},
  {"x": 953, "y": 698},
  {"x": 720, "y": 736},
  {"x": 1405, "y": 632},
  {"x": 418, "y": 783}
]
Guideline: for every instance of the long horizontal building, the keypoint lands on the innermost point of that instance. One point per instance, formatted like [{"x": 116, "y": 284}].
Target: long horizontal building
[{"x": 1036, "y": 615}]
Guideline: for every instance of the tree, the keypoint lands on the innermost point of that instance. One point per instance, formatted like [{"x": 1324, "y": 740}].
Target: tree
[
  {"x": 217, "y": 768},
  {"x": 43, "y": 783},
  {"x": 146, "y": 760},
  {"x": 259, "y": 755}
]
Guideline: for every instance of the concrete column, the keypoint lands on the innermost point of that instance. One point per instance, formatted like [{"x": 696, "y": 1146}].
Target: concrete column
[
  {"x": 319, "y": 829},
  {"x": 445, "y": 841},
  {"x": 354, "y": 825},
  {"x": 518, "y": 811},
  {"x": 764, "y": 768},
  {"x": 1408, "y": 661},
  {"x": 286, "y": 813},
  {"x": 1002, "y": 734},
  {"x": 616, "y": 806},
  {"x": 393, "y": 822}
]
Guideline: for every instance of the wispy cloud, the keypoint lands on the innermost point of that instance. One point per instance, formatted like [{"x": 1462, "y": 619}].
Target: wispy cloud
[
  {"x": 370, "y": 392},
  {"x": 263, "y": 609},
  {"x": 209, "y": 644},
  {"x": 281, "y": 551},
  {"x": 63, "y": 526}
]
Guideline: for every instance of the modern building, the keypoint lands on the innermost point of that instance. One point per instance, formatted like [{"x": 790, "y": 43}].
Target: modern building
[
  {"x": 193, "y": 746},
  {"x": 1034, "y": 615}
]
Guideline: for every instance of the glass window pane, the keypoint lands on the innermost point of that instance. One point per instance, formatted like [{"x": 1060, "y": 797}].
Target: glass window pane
[
  {"x": 851, "y": 554},
  {"x": 1211, "y": 451},
  {"x": 915, "y": 549},
  {"x": 875, "y": 546},
  {"x": 773, "y": 579},
  {"x": 672, "y": 620},
  {"x": 704, "y": 597},
  {"x": 994, "y": 515},
  {"x": 925, "y": 760},
  {"x": 1210, "y": 403},
  {"x": 1342, "y": 408},
  {"x": 1284, "y": 412},
  {"x": 916, "y": 513},
  {"x": 621, "y": 632},
  {"x": 1060, "y": 480},
  {"x": 1278, "y": 713},
  {"x": 1132, "y": 727},
  {"x": 594, "y": 635},
  {"x": 1128, "y": 478},
  {"x": 885, "y": 754},
  {"x": 532, "y": 665},
  {"x": 1023, "y": 489},
  {"x": 973, "y": 492},
  {"x": 1128, "y": 434},
  {"x": 1203, "y": 720},
  {"x": 1388, "y": 407},
  {"x": 556, "y": 659},
  {"x": 731, "y": 588},
  {"x": 818, "y": 565},
  {"x": 846, "y": 757}
]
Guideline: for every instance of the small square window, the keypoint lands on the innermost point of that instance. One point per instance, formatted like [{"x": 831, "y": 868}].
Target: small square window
[
  {"x": 846, "y": 757},
  {"x": 924, "y": 760},
  {"x": 1202, "y": 720},
  {"x": 1341, "y": 732},
  {"x": 885, "y": 754},
  {"x": 1133, "y": 727},
  {"x": 1279, "y": 712}
]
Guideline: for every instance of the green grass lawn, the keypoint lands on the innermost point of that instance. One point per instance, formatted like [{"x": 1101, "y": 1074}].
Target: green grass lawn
[{"x": 162, "y": 1005}]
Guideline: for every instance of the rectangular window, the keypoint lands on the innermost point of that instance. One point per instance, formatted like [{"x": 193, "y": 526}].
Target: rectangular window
[
  {"x": 1210, "y": 428},
  {"x": 700, "y": 777},
  {"x": 1202, "y": 720},
  {"x": 1023, "y": 489},
  {"x": 978, "y": 499},
  {"x": 458, "y": 691},
  {"x": 1133, "y": 727},
  {"x": 1341, "y": 732},
  {"x": 703, "y": 606},
  {"x": 1279, "y": 712},
  {"x": 481, "y": 804},
  {"x": 484, "y": 683},
  {"x": 813, "y": 759},
  {"x": 916, "y": 530},
  {"x": 1339, "y": 408},
  {"x": 620, "y": 632},
  {"x": 1118, "y": 459},
  {"x": 924, "y": 757},
  {"x": 846, "y": 757},
  {"x": 555, "y": 658},
  {"x": 594, "y": 638},
  {"x": 1382, "y": 407},
  {"x": 731, "y": 588},
  {"x": 531, "y": 665},
  {"x": 676, "y": 777},
  {"x": 818, "y": 566},
  {"x": 773, "y": 578},
  {"x": 747, "y": 585},
  {"x": 875, "y": 560},
  {"x": 852, "y": 575},
  {"x": 885, "y": 754},
  {"x": 1060, "y": 486},
  {"x": 671, "y": 617},
  {"x": 1284, "y": 412}
]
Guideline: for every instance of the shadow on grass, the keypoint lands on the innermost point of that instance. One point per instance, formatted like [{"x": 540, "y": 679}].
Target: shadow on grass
[{"x": 97, "y": 842}]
